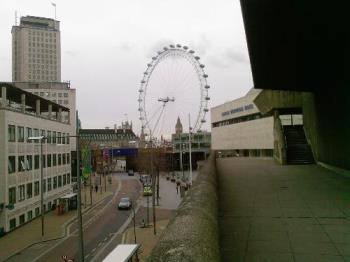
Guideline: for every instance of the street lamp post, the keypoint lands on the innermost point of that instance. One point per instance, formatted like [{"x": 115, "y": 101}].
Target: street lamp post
[{"x": 41, "y": 138}]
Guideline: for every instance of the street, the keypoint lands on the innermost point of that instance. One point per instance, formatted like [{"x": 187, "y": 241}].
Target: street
[{"x": 100, "y": 224}]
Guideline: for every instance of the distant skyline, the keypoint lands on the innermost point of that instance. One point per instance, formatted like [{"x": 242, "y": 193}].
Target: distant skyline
[{"x": 106, "y": 47}]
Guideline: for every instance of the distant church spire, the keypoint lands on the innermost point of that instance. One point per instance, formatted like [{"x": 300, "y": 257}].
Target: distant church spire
[{"x": 178, "y": 127}]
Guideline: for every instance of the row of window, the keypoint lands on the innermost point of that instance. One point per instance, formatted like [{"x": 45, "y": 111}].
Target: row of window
[
  {"x": 25, "y": 163},
  {"x": 22, "y": 219},
  {"x": 25, "y": 191},
  {"x": 42, "y": 77},
  {"x": 47, "y": 94},
  {"x": 42, "y": 45},
  {"x": 238, "y": 120},
  {"x": 51, "y": 137},
  {"x": 40, "y": 33}
]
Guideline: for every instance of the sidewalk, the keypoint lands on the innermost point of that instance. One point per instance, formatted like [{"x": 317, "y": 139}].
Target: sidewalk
[
  {"x": 270, "y": 212},
  {"x": 145, "y": 237},
  {"x": 55, "y": 225}
]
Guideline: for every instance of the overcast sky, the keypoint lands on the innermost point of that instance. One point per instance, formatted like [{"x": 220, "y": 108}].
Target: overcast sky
[{"x": 107, "y": 44}]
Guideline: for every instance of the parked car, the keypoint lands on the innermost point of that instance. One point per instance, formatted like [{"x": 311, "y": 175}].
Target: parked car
[
  {"x": 124, "y": 203},
  {"x": 147, "y": 191},
  {"x": 130, "y": 172}
]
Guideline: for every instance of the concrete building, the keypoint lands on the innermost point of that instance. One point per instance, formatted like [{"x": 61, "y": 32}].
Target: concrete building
[
  {"x": 300, "y": 49},
  {"x": 60, "y": 93},
  {"x": 239, "y": 129},
  {"x": 200, "y": 146},
  {"x": 24, "y": 115},
  {"x": 36, "y": 50}
]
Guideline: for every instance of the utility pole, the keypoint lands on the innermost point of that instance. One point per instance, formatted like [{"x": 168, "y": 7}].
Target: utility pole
[
  {"x": 79, "y": 215},
  {"x": 42, "y": 186},
  {"x": 153, "y": 187},
  {"x": 190, "y": 145}
]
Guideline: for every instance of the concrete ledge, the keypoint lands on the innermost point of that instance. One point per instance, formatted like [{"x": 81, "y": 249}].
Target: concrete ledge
[{"x": 192, "y": 235}]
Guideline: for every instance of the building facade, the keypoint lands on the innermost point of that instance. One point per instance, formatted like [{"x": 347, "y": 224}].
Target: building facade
[
  {"x": 60, "y": 93},
  {"x": 36, "y": 50},
  {"x": 24, "y": 115},
  {"x": 239, "y": 129}
]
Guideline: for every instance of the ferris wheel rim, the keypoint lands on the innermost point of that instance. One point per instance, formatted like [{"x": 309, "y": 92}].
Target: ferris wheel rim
[{"x": 188, "y": 54}]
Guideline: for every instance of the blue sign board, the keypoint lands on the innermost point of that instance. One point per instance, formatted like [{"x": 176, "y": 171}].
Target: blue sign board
[{"x": 123, "y": 152}]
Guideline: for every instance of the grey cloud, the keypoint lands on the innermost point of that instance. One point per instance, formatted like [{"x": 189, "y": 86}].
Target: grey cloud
[
  {"x": 218, "y": 62},
  {"x": 127, "y": 46},
  {"x": 235, "y": 56}
]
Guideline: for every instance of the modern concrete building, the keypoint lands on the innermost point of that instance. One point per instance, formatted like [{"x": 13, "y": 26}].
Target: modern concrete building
[
  {"x": 239, "y": 129},
  {"x": 60, "y": 93},
  {"x": 301, "y": 50},
  {"x": 24, "y": 115},
  {"x": 36, "y": 50}
]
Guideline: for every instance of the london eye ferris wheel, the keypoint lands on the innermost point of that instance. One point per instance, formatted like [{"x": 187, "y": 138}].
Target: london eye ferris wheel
[{"x": 173, "y": 85}]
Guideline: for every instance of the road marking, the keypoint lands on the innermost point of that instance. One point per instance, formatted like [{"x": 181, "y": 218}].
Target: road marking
[{"x": 75, "y": 231}]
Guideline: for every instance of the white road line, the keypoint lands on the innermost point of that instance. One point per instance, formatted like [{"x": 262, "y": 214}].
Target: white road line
[{"x": 75, "y": 231}]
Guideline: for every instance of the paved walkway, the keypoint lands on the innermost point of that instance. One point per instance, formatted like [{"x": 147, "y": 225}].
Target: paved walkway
[
  {"x": 270, "y": 212},
  {"x": 30, "y": 233}
]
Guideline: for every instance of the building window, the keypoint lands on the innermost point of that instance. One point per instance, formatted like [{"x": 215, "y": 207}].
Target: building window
[
  {"x": 44, "y": 161},
  {"x": 49, "y": 160},
  {"x": 21, "y": 190},
  {"x": 59, "y": 181},
  {"x": 11, "y": 164},
  {"x": 12, "y": 195},
  {"x": 37, "y": 211},
  {"x": 12, "y": 223},
  {"x": 54, "y": 137},
  {"x": 29, "y": 215},
  {"x": 22, "y": 219},
  {"x": 64, "y": 159},
  {"x": 49, "y": 186},
  {"x": 11, "y": 133},
  {"x": 36, "y": 134},
  {"x": 36, "y": 188},
  {"x": 36, "y": 162},
  {"x": 20, "y": 131},
  {"x": 68, "y": 138},
  {"x": 29, "y": 162},
  {"x": 43, "y": 134},
  {"x": 54, "y": 160},
  {"x": 21, "y": 164},
  {"x": 63, "y": 138},
  {"x": 59, "y": 138},
  {"x": 29, "y": 190},
  {"x": 55, "y": 182},
  {"x": 48, "y": 137},
  {"x": 68, "y": 178},
  {"x": 64, "y": 179},
  {"x": 68, "y": 158},
  {"x": 59, "y": 159},
  {"x": 29, "y": 134}
]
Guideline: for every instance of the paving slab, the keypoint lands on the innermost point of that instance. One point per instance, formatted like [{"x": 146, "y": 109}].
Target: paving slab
[{"x": 269, "y": 212}]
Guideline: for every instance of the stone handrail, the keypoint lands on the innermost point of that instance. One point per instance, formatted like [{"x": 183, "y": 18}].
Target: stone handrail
[{"x": 192, "y": 235}]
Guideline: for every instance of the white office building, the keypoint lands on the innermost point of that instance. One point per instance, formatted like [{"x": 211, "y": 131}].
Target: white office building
[
  {"x": 36, "y": 50},
  {"x": 24, "y": 115},
  {"x": 239, "y": 129}
]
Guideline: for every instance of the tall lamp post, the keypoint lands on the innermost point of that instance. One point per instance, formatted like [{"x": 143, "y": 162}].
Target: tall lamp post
[{"x": 41, "y": 138}]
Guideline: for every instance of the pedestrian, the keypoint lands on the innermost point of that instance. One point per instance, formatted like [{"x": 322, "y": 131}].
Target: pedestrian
[
  {"x": 96, "y": 188},
  {"x": 177, "y": 189}
]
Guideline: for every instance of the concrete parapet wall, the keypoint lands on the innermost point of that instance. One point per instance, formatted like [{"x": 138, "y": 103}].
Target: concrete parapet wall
[{"x": 192, "y": 235}]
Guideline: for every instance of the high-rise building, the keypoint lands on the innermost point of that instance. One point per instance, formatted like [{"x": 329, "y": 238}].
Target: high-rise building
[{"x": 36, "y": 50}]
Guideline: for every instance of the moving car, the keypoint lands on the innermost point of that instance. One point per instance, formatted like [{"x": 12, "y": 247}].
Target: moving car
[
  {"x": 147, "y": 191},
  {"x": 124, "y": 203},
  {"x": 130, "y": 172}
]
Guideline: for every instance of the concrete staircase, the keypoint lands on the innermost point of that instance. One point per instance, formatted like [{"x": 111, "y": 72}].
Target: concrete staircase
[{"x": 298, "y": 150}]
